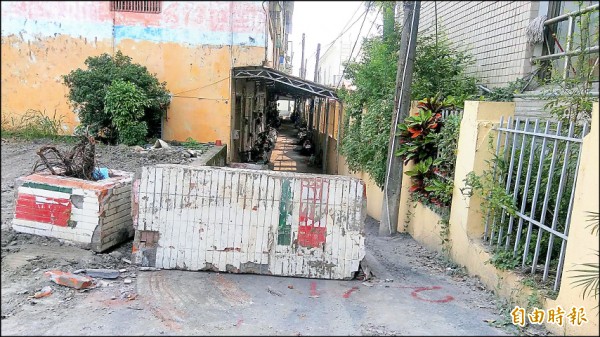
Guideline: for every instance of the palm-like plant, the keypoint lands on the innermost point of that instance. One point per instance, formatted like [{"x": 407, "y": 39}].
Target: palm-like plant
[{"x": 588, "y": 274}]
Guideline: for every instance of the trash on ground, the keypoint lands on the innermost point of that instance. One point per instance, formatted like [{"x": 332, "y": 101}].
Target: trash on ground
[
  {"x": 100, "y": 173},
  {"x": 274, "y": 292},
  {"x": 161, "y": 144},
  {"x": 79, "y": 162},
  {"x": 46, "y": 291},
  {"x": 102, "y": 273},
  {"x": 126, "y": 260}
]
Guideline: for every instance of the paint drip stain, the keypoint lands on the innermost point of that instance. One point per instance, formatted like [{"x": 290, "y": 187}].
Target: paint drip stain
[
  {"x": 313, "y": 289},
  {"x": 350, "y": 291}
]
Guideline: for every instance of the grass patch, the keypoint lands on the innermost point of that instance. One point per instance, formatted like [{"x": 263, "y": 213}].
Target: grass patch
[{"x": 33, "y": 124}]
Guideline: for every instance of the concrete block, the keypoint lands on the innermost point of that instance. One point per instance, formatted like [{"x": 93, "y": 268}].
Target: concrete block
[{"x": 74, "y": 209}]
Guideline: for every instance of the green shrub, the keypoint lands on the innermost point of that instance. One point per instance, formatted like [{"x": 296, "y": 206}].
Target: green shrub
[
  {"x": 88, "y": 89},
  {"x": 441, "y": 69},
  {"x": 125, "y": 102}
]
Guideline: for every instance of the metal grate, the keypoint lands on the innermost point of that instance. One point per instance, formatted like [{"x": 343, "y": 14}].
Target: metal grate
[
  {"x": 537, "y": 164},
  {"x": 135, "y": 6}
]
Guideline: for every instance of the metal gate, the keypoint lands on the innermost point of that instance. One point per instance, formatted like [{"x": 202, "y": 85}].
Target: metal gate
[{"x": 249, "y": 221}]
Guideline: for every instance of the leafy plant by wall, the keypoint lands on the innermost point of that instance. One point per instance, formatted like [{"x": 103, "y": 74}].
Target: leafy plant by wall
[
  {"x": 125, "y": 102},
  {"x": 439, "y": 70},
  {"x": 88, "y": 88},
  {"x": 442, "y": 69}
]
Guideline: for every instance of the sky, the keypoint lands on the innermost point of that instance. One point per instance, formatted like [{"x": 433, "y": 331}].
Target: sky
[{"x": 322, "y": 22}]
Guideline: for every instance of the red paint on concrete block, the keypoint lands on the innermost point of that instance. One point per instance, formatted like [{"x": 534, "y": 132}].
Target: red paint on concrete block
[
  {"x": 55, "y": 211},
  {"x": 309, "y": 236},
  {"x": 69, "y": 280}
]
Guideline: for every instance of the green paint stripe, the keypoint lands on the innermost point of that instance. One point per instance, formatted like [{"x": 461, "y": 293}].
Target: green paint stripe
[
  {"x": 48, "y": 187},
  {"x": 284, "y": 236}
]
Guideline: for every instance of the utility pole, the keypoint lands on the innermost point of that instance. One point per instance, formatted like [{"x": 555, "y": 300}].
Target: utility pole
[
  {"x": 304, "y": 73},
  {"x": 393, "y": 179},
  {"x": 302, "y": 59},
  {"x": 317, "y": 62}
]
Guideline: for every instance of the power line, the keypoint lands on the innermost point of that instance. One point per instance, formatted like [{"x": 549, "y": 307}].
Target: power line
[
  {"x": 368, "y": 32},
  {"x": 343, "y": 32},
  {"x": 355, "y": 42},
  {"x": 359, "y": 50}
]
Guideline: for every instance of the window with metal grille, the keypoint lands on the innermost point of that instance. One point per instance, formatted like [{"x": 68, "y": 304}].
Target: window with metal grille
[{"x": 135, "y": 6}]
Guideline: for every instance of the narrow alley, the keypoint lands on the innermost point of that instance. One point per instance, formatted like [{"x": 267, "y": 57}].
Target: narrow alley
[{"x": 284, "y": 157}]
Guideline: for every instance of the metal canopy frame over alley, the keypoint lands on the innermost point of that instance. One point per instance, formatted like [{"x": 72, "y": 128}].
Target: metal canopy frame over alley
[{"x": 294, "y": 85}]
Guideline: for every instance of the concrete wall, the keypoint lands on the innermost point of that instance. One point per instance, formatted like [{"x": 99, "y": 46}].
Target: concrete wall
[
  {"x": 190, "y": 45},
  {"x": 249, "y": 221},
  {"x": 582, "y": 245},
  {"x": 493, "y": 32}
]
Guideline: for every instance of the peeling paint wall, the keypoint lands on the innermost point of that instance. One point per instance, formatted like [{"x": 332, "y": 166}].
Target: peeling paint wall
[{"x": 190, "y": 45}]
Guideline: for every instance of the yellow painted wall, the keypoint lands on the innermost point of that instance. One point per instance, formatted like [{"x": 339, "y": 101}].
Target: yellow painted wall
[
  {"x": 199, "y": 77},
  {"x": 582, "y": 245},
  {"x": 31, "y": 75},
  {"x": 188, "y": 45}
]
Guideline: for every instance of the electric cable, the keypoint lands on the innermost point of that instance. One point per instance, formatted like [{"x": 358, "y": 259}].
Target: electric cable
[{"x": 355, "y": 42}]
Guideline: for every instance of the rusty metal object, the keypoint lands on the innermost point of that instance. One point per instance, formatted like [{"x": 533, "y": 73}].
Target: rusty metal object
[{"x": 79, "y": 162}]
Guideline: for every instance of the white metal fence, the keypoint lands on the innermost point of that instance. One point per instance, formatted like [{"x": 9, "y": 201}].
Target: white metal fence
[{"x": 537, "y": 163}]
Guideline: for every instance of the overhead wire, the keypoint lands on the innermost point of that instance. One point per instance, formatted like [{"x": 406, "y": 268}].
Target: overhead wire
[
  {"x": 329, "y": 45},
  {"x": 202, "y": 87},
  {"x": 354, "y": 46},
  {"x": 368, "y": 32},
  {"x": 344, "y": 30}
]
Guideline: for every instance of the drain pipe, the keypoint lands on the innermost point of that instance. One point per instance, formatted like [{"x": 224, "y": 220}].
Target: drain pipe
[{"x": 267, "y": 29}]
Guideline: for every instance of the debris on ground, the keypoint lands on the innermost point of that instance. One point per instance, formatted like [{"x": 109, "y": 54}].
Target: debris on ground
[
  {"x": 102, "y": 273},
  {"x": 69, "y": 279},
  {"x": 274, "y": 292},
  {"x": 127, "y": 281},
  {"x": 161, "y": 144},
  {"x": 126, "y": 260},
  {"x": 46, "y": 291}
]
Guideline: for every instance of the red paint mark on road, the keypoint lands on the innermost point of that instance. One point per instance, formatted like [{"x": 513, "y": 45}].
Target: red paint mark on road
[
  {"x": 239, "y": 322},
  {"x": 416, "y": 292},
  {"x": 54, "y": 211},
  {"x": 313, "y": 289},
  {"x": 347, "y": 293}
]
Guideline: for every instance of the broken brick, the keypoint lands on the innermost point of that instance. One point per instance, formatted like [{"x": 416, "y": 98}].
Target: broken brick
[
  {"x": 45, "y": 291},
  {"x": 69, "y": 280}
]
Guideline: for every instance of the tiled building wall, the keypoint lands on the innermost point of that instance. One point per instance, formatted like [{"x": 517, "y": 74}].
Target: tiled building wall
[{"x": 493, "y": 32}]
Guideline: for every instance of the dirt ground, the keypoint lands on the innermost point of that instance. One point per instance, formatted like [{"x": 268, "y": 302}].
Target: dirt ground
[{"x": 414, "y": 292}]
